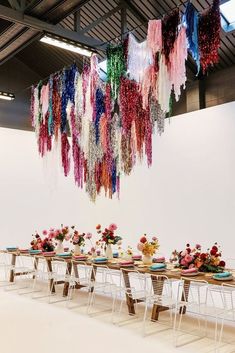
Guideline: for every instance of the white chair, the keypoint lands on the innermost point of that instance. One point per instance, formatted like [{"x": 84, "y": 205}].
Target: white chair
[
  {"x": 104, "y": 285},
  {"x": 201, "y": 301},
  {"x": 160, "y": 299},
  {"x": 82, "y": 278},
  {"x": 47, "y": 274},
  {"x": 23, "y": 271},
  {"x": 228, "y": 313},
  {"x": 5, "y": 267},
  {"x": 133, "y": 291}
]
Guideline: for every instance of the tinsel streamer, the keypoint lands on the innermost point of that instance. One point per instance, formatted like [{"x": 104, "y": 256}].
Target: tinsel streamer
[
  {"x": 154, "y": 36},
  {"x": 148, "y": 136},
  {"x": 164, "y": 85},
  {"x": 32, "y": 106},
  {"x": 63, "y": 102},
  {"x": 177, "y": 67},
  {"x": 100, "y": 109},
  {"x": 44, "y": 139},
  {"x": 115, "y": 67},
  {"x": 78, "y": 162},
  {"x": 36, "y": 110},
  {"x": 139, "y": 58},
  {"x": 44, "y": 100},
  {"x": 94, "y": 79},
  {"x": 50, "y": 107},
  {"x": 128, "y": 102},
  {"x": 68, "y": 93},
  {"x": 190, "y": 20},
  {"x": 158, "y": 115},
  {"x": 209, "y": 36},
  {"x": 56, "y": 104},
  {"x": 148, "y": 84},
  {"x": 85, "y": 83},
  {"x": 65, "y": 149},
  {"x": 169, "y": 32}
]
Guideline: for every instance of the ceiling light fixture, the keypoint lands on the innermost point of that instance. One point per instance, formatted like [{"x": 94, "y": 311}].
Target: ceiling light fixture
[
  {"x": 67, "y": 44},
  {"x": 7, "y": 96}
]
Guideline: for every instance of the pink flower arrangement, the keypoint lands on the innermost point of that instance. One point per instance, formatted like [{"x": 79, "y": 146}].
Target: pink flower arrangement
[
  {"x": 194, "y": 257},
  {"x": 78, "y": 238},
  {"x": 112, "y": 227},
  {"x": 107, "y": 235}
]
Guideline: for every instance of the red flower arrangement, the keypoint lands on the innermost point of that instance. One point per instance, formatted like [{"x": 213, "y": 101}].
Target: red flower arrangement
[
  {"x": 209, "y": 261},
  {"x": 107, "y": 235},
  {"x": 38, "y": 243}
]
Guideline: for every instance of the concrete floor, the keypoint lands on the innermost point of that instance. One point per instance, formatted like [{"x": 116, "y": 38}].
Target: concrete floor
[{"x": 32, "y": 325}]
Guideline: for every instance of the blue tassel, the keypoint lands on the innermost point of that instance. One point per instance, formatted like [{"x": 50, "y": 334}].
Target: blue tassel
[
  {"x": 68, "y": 93},
  {"x": 50, "y": 108},
  {"x": 190, "y": 20},
  {"x": 99, "y": 110},
  {"x": 114, "y": 178}
]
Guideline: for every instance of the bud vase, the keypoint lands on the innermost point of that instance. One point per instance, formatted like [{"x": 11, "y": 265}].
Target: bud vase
[
  {"x": 59, "y": 247},
  {"x": 77, "y": 250},
  {"x": 109, "y": 252},
  {"x": 147, "y": 259}
]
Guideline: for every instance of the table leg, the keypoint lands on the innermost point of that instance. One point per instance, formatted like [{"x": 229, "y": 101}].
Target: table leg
[
  {"x": 12, "y": 272},
  {"x": 66, "y": 285},
  {"x": 35, "y": 263},
  {"x": 158, "y": 285},
  {"x": 129, "y": 301},
  {"x": 185, "y": 296},
  {"x": 51, "y": 281}
]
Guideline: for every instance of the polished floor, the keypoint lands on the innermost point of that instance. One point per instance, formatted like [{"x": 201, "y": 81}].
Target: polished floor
[{"x": 32, "y": 325}]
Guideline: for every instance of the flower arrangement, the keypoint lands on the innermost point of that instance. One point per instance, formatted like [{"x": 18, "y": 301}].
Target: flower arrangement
[
  {"x": 107, "y": 235},
  {"x": 209, "y": 261},
  {"x": 78, "y": 239},
  {"x": 148, "y": 248},
  {"x": 38, "y": 243},
  {"x": 60, "y": 234}
]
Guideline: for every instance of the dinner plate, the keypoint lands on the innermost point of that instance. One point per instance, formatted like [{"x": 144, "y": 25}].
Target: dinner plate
[{"x": 158, "y": 269}]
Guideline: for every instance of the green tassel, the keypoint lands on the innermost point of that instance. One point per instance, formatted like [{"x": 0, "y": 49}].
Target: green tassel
[{"x": 116, "y": 67}]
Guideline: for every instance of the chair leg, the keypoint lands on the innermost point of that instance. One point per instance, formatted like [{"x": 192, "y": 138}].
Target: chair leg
[{"x": 144, "y": 318}]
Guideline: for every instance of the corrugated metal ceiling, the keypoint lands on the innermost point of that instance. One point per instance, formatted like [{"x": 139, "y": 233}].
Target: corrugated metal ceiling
[{"x": 44, "y": 59}]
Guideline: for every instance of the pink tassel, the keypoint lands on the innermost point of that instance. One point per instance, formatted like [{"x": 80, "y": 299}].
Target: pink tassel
[
  {"x": 176, "y": 66},
  {"x": 154, "y": 36},
  {"x": 65, "y": 148}
]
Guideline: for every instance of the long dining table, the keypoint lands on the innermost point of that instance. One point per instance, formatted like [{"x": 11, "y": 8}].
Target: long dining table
[{"x": 71, "y": 264}]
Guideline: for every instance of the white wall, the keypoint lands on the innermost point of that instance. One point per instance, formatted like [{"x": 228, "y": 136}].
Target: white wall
[{"x": 187, "y": 196}]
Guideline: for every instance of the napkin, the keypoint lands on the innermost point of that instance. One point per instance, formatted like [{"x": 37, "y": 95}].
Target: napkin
[
  {"x": 127, "y": 262},
  {"x": 189, "y": 270},
  {"x": 157, "y": 266},
  {"x": 159, "y": 259},
  {"x": 223, "y": 275},
  {"x": 48, "y": 253},
  {"x": 137, "y": 257},
  {"x": 100, "y": 259}
]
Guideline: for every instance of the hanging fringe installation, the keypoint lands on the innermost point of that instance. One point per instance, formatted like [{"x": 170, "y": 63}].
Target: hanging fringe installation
[{"x": 102, "y": 129}]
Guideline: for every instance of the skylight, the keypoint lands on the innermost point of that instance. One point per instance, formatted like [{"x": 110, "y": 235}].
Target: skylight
[{"x": 227, "y": 10}]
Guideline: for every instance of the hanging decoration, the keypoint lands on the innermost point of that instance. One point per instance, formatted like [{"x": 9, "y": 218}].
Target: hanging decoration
[
  {"x": 116, "y": 67},
  {"x": 170, "y": 25},
  {"x": 190, "y": 20},
  {"x": 209, "y": 36},
  {"x": 102, "y": 128}
]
